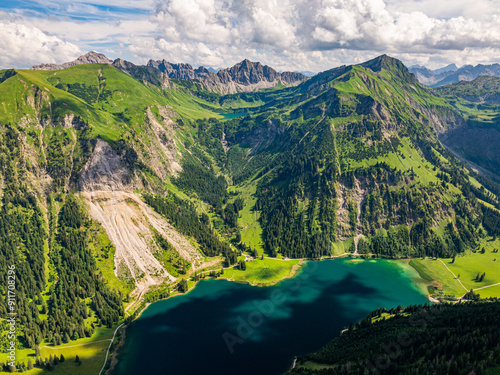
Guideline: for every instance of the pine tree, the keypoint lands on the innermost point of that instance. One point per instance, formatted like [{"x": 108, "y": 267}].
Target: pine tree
[
  {"x": 30, "y": 364},
  {"x": 183, "y": 286},
  {"x": 62, "y": 359},
  {"x": 37, "y": 351},
  {"x": 77, "y": 359}
]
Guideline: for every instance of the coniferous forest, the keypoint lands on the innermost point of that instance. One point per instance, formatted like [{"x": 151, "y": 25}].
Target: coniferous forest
[{"x": 439, "y": 339}]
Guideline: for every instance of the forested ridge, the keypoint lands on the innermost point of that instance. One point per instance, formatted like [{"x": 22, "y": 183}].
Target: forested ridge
[
  {"x": 66, "y": 298},
  {"x": 453, "y": 339}
]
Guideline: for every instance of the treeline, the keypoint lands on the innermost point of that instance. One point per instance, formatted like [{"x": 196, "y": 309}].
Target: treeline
[
  {"x": 183, "y": 216},
  {"x": 418, "y": 241},
  {"x": 77, "y": 280},
  {"x": 450, "y": 339}
]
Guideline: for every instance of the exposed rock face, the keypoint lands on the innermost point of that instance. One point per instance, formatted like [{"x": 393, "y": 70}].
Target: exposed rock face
[
  {"x": 125, "y": 218},
  {"x": 105, "y": 170},
  {"x": 89, "y": 58},
  {"x": 144, "y": 73},
  {"x": 244, "y": 76},
  {"x": 175, "y": 71}
]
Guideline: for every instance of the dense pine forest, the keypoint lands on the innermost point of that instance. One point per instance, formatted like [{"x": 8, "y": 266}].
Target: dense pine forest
[
  {"x": 66, "y": 298},
  {"x": 439, "y": 339}
]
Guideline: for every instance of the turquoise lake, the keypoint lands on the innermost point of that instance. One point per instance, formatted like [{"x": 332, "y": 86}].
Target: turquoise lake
[
  {"x": 228, "y": 116},
  {"x": 222, "y": 327}
]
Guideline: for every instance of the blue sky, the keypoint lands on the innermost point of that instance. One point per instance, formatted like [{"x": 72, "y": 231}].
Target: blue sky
[
  {"x": 286, "y": 34},
  {"x": 78, "y": 11}
]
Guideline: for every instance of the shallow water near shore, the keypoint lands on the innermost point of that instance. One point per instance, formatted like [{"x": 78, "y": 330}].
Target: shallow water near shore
[{"x": 222, "y": 327}]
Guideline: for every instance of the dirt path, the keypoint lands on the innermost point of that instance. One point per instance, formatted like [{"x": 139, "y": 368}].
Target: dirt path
[
  {"x": 109, "y": 347},
  {"x": 454, "y": 276},
  {"x": 476, "y": 168},
  {"x": 488, "y": 286}
]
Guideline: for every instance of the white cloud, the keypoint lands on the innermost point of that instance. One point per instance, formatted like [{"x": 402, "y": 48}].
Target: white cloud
[
  {"x": 286, "y": 34},
  {"x": 23, "y": 46}
]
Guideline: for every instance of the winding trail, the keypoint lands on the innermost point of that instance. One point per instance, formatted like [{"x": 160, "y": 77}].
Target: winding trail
[
  {"x": 109, "y": 347},
  {"x": 454, "y": 276},
  {"x": 487, "y": 286}
]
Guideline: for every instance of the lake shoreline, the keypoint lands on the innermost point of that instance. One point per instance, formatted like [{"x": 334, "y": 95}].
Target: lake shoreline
[{"x": 296, "y": 270}]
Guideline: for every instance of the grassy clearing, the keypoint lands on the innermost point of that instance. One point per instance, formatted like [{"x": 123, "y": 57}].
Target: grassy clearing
[
  {"x": 260, "y": 272},
  {"x": 405, "y": 159},
  {"x": 103, "y": 251},
  {"x": 466, "y": 267},
  {"x": 91, "y": 352},
  {"x": 251, "y": 232},
  {"x": 342, "y": 247},
  {"x": 442, "y": 279},
  {"x": 470, "y": 264}
]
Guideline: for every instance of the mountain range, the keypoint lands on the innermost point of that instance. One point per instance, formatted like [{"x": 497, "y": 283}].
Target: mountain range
[
  {"x": 242, "y": 77},
  {"x": 120, "y": 181},
  {"x": 452, "y": 74}
]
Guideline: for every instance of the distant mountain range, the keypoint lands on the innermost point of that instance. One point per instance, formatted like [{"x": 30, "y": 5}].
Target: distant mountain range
[
  {"x": 452, "y": 74},
  {"x": 242, "y": 77}
]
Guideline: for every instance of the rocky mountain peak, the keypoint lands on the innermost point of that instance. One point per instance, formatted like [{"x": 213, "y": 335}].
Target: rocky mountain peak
[
  {"x": 91, "y": 57},
  {"x": 243, "y": 76}
]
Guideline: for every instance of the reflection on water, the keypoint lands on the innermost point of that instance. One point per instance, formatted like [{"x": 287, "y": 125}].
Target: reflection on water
[{"x": 228, "y": 328}]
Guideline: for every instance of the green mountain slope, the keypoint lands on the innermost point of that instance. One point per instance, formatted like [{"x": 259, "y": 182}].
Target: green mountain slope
[
  {"x": 116, "y": 189},
  {"x": 477, "y": 140},
  {"x": 352, "y": 154}
]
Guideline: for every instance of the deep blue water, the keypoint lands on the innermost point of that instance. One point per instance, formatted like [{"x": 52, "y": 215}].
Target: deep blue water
[{"x": 223, "y": 327}]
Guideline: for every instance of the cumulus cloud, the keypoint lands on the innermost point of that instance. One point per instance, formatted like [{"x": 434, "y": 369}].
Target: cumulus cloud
[
  {"x": 332, "y": 27},
  {"x": 30, "y": 45},
  {"x": 309, "y": 35}
]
